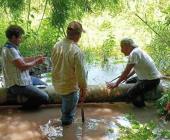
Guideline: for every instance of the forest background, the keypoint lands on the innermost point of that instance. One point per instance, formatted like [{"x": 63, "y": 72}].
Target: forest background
[{"x": 106, "y": 22}]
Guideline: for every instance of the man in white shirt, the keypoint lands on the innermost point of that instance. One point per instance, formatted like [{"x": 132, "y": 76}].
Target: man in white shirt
[
  {"x": 68, "y": 73},
  {"x": 140, "y": 63},
  {"x": 16, "y": 70}
]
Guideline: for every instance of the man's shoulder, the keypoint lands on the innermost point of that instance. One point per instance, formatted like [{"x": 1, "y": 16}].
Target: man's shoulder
[
  {"x": 58, "y": 43},
  {"x": 9, "y": 45},
  {"x": 137, "y": 51},
  {"x": 10, "y": 48},
  {"x": 76, "y": 49}
]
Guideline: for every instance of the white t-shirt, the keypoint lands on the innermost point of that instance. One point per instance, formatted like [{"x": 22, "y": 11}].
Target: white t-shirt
[
  {"x": 68, "y": 72},
  {"x": 13, "y": 75},
  {"x": 144, "y": 65}
]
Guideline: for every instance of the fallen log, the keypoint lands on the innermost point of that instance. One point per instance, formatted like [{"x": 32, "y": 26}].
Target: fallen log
[{"x": 96, "y": 93}]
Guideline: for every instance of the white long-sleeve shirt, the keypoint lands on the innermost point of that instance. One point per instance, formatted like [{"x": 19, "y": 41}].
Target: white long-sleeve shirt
[{"x": 68, "y": 73}]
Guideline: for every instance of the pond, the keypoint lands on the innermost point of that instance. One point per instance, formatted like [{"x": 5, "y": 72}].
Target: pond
[{"x": 96, "y": 74}]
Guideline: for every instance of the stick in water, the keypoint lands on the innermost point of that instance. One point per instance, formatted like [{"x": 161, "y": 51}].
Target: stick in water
[
  {"x": 114, "y": 79},
  {"x": 82, "y": 112}
]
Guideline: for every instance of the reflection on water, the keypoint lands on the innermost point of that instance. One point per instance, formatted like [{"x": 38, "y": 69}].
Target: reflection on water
[
  {"x": 96, "y": 74},
  {"x": 113, "y": 131},
  {"x": 166, "y": 84},
  {"x": 123, "y": 121},
  {"x": 91, "y": 129},
  {"x": 92, "y": 124},
  {"x": 52, "y": 130}
]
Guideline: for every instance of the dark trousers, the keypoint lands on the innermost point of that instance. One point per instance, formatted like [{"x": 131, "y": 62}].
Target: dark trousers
[
  {"x": 34, "y": 96},
  {"x": 136, "y": 93}
]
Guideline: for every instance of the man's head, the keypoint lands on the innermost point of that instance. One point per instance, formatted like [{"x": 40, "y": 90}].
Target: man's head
[
  {"x": 74, "y": 31},
  {"x": 14, "y": 33},
  {"x": 127, "y": 45}
]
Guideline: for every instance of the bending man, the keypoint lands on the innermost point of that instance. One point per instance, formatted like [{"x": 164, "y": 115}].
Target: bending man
[{"x": 140, "y": 63}]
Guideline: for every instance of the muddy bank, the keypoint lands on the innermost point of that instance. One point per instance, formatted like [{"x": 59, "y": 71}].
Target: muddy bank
[{"x": 16, "y": 124}]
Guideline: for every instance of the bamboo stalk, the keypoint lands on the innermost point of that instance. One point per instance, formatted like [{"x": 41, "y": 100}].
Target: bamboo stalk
[
  {"x": 29, "y": 9},
  {"x": 42, "y": 15},
  {"x": 152, "y": 29}
]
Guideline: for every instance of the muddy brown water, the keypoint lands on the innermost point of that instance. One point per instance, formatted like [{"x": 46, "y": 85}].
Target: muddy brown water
[{"x": 44, "y": 124}]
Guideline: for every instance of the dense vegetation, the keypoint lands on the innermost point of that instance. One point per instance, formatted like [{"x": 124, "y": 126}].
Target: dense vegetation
[
  {"x": 145, "y": 131},
  {"x": 105, "y": 22}
]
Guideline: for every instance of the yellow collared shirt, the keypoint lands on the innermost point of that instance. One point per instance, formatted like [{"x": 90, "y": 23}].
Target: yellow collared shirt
[{"x": 68, "y": 72}]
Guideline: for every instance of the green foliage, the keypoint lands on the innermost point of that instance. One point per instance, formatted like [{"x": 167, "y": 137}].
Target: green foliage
[
  {"x": 159, "y": 47},
  {"x": 40, "y": 35},
  {"x": 2, "y": 34},
  {"x": 65, "y": 10},
  {"x": 45, "y": 22},
  {"x": 155, "y": 16},
  {"x": 92, "y": 55},
  {"x": 28, "y": 47},
  {"x": 12, "y": 5},
  {"x": 161, "y": 103},
  {"x": 105, "y": 25},
  {"x": 139, "y": 131},
  {"x": 39, "y": 43},
  {"x": 15, "y": 7},
  {"x": 47, "y": 38},
  {"x": 60, "y": 12},
  {"x": 107, "y": 48},
  {"x": 101, "y": 53}
]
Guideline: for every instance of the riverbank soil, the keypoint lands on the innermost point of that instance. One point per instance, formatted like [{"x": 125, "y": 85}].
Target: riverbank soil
[{"x": 44, "y": 124}]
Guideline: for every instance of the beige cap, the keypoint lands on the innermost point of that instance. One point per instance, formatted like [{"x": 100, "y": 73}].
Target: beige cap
[{"x": 75, "y": 26}]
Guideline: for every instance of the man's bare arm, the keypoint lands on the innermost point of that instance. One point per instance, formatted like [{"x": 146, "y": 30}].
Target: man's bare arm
[{"x": 122, "y": 77}]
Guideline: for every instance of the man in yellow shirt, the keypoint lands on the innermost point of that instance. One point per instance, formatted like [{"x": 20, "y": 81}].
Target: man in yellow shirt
[{"x": 68, "y": 73}]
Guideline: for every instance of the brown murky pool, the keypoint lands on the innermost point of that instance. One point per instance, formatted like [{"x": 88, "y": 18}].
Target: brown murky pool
[{"x": 100, "y": 122}]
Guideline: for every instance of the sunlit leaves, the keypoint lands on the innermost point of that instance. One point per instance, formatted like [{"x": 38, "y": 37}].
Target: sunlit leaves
[
  {"x": 143, "y": 131},
  {"x": 64, "y": 10},
  {"x": 161, "y": 103},
  {"x": 159, "y": 47},
  {"x": 60, "y": 12},
  {"x": 15, "y": 6}
]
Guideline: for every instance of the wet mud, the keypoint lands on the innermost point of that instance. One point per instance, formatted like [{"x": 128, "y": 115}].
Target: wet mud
[{"x": 101, "y": 122}]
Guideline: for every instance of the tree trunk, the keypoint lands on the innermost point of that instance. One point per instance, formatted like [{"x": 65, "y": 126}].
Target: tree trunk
[{"x": 96, "y": 93}]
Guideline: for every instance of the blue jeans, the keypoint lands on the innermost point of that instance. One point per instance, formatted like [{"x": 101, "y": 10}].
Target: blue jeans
[
  {"x": 37, "y": 81},
  {"x": 68, "y": 108},
  {"x": 35, "y": 97}
]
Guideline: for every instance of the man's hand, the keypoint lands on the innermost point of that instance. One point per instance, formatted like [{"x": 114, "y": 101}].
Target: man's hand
[
  {"x": 40, "y": 59},
  {"x": 111, "y": 85},
  {"x": 83, "y": 94}
]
